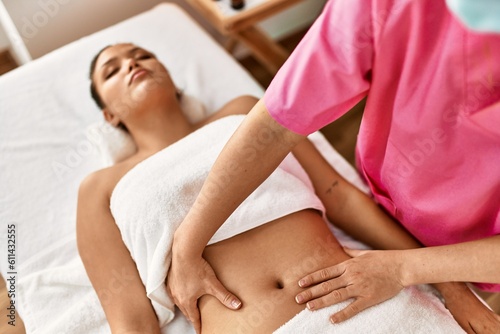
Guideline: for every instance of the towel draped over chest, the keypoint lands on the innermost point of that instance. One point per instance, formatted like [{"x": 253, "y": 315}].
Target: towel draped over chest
[{"x": 152, "y": 199}]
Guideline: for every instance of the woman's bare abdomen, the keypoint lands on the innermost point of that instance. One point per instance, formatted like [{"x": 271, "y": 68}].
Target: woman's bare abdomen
[{"x": 262, "y": 267}]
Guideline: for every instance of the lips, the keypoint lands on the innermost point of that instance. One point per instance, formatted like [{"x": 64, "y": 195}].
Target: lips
[{"x": 137, "y": 74}]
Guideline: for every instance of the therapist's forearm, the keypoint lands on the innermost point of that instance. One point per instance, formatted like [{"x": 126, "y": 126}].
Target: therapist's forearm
[
  {"x": 249, "y": 157},
  {"x": 474, "y": 261}
]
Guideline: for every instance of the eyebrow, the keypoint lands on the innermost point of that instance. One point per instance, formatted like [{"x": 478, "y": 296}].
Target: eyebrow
[{"x": 112, "y": 59}]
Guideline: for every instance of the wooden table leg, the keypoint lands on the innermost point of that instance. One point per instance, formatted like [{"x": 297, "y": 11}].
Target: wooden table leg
[{"x": 268, "y": 52}]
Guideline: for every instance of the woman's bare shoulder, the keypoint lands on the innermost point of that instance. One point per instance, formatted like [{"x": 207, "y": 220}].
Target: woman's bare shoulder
[
  {"x": 102, "y": 182},
  {"x": 240, "y": 105}
]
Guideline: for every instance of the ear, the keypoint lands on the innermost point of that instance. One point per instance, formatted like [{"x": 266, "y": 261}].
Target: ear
[{"x": 110, "y": 118}]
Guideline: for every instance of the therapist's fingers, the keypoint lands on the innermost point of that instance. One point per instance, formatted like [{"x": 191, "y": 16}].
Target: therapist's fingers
[
  {"x": 338, "y": 296},
  {"x": 193, "y": 314},
  {"x": 216, "y": 289},
  {"x": 368, "y": 279},
  {"x": 322, "y": 275},
  {"x": 186, "y": 283},
  {"x": 330, "y": 287},
  {"x": 351, "y": 310},
  {"x": 334, "y": 297},
  {"x": 190, "y": 311}
]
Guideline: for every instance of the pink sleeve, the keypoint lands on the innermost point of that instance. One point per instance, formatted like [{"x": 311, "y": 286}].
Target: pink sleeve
[{"x": 328, "y": 73}]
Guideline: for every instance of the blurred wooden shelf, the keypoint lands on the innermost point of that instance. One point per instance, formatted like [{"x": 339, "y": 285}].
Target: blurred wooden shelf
[{"x": 241, "y": 26}]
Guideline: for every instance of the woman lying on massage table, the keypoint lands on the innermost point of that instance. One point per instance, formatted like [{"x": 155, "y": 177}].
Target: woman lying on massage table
[{"x": 277, "y": 237}]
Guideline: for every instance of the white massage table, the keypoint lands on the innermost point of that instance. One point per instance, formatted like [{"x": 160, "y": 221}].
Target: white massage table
[{"x": 44, "y": 154}]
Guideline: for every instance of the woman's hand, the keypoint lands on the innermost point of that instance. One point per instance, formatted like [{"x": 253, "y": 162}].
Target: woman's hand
[
  {"x": 470, "y": 313},
  {"x": 475, "y": 318},
  {"x": 188, "y": 280},
  {"x": 370, "y": 277}
]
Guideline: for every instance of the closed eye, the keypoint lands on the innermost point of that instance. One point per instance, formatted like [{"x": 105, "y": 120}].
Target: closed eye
[
  {"x": 110, "y": 74},
  {"x": 145, "y": 56}
]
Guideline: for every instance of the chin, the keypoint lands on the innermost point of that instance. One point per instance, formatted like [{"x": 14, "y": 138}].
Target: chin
[
  {"x": 146, "y": 91},
  {"x": 149, "y": 97}
]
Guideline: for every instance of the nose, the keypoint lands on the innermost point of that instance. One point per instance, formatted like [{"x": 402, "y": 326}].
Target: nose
[{"x": 132, "y": 64}]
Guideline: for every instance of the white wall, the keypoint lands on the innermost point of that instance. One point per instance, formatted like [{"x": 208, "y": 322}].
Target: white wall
[{"x": 48, "y": 24}]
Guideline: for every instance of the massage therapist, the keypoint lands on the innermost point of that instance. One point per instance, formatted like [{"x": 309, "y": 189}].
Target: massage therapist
[{"x": 428, "y": 147}]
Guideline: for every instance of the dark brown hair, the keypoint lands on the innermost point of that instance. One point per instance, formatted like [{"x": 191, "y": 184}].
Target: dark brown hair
[{"x": 93, "y": 90}]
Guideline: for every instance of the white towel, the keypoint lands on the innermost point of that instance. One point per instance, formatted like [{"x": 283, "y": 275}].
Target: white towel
[
  {"x": 415, "y": 310},
  {"x": 153, "y": 198}
]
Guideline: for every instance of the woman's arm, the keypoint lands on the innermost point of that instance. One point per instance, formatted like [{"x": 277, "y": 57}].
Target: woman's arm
[
  {"x": 356, "y": 213},
  {"x": 349, "y": 208},
  {"x": 108, "y": 263}
]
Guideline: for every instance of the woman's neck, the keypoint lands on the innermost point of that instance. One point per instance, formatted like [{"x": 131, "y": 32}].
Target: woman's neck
[{"x": 160, "y": 129}]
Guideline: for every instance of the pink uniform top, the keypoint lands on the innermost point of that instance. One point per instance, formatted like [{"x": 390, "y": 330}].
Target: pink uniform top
[{"x": 429, "y": 142}]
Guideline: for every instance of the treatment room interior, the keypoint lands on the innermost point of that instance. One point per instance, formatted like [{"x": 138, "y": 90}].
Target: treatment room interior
[{"x": 46, "y": 119}]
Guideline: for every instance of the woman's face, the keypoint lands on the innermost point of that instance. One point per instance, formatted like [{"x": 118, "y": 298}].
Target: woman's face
[{"x": 129, "y": 78}]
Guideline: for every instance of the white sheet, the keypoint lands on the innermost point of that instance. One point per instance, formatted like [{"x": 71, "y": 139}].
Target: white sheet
[{"x": 45, "y": 107}]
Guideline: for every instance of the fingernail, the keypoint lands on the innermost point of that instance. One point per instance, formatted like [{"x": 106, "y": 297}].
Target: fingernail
[
  {"x": 332, "y": 320},
  {"x": 310, "y": 306},
  {"x": 302, "y": 283},
  {"x": 235, "y": 304},
  {"x": 299, "y": 299}
]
